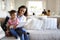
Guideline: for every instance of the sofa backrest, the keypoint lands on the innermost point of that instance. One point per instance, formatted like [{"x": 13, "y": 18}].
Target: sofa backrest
[{"x": 58, "y": 20}]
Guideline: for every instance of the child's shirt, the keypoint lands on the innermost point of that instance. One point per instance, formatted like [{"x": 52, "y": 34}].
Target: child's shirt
[{"x": 14, "y": 22}]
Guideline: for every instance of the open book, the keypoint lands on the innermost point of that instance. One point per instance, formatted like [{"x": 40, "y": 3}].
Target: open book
[{"x": 21, "y": 24}]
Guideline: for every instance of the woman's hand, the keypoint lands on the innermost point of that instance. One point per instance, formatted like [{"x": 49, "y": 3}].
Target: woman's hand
[{"x": 7, "y": 31}]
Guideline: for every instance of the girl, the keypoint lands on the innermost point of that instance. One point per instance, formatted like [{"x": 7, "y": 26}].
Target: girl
[{"x": 12, "y": 23}]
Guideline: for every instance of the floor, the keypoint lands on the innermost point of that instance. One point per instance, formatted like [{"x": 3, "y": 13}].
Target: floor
[{"x": 8, "y": 38}]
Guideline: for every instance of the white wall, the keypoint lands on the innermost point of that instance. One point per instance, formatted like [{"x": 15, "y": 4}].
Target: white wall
[
  {"x": 18, "y": 3},
  {"x": 53, "y": 5},
  {"x": 4, "y": 13},
  {"x": 58, "y": 7}
]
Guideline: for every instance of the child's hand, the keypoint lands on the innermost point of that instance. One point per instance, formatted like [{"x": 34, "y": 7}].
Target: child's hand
[
  {"x": 14, "y": 27},
  {"x": 11, "y": 26}
]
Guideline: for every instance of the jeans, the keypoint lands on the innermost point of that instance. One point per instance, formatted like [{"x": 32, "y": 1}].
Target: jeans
[
  {"x": 19, "y": 32},
  {"x": 15, "y": 34},
  {"x": 23, "y": 33}
]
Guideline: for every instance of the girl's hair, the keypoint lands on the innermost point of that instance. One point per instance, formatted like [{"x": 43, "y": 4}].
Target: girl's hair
[
  {"x": 25, "y": 14},
  {"x": 12, "y": 12}
]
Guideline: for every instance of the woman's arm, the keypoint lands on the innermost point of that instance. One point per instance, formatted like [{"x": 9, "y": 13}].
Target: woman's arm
[{"x": 8, "y": 25}]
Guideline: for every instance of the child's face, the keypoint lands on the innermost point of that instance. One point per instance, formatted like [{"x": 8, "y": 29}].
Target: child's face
[
  {"x": 22, "y": 11},
  {"x": 13, "y": 15}
]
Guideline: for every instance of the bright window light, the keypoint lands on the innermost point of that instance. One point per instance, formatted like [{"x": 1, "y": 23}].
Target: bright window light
[{"x": 35, "y": 7}]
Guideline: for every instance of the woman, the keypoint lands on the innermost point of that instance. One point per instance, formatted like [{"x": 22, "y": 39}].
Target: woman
[{"x": 22, "y": 14}]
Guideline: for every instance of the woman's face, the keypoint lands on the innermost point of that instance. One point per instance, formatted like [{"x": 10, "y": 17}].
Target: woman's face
[{"x": 22, "y": 11}]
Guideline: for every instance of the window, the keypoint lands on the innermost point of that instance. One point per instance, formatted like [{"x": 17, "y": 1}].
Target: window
[{"x": 35, "y": 7}]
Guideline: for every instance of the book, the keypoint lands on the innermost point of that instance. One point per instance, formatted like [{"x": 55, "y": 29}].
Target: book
[{"x": 21, "y": 24}]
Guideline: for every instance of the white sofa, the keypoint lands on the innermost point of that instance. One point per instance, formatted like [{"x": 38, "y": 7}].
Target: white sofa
[
  {"x": 47, "y": 30},
  {"x": 42, "y": 23},
  {"x": 2, "y": 34},
  {"x": 44, "y": 34},
  {"x": 36, "y": 33}
]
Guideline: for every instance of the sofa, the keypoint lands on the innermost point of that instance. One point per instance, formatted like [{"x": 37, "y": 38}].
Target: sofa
[
  {"x": 2, "y": 33},
  {"x": 43, "y": 28},
  {"x": 58, "y": 20},
  {"x": 39, "y": 31}
]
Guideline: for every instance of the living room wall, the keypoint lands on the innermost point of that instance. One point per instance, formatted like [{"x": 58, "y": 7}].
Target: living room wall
[
  {"x": 8, "y": 5},
  {"x": 53, "y": 5},
  {"x": 22, "y": 2}
]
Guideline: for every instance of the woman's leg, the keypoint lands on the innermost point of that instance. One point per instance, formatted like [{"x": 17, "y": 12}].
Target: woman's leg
[
  {"x": 26, "y": 36},
  {"x": 22, "y": 37},
  {"x": 19, "y": 31}
]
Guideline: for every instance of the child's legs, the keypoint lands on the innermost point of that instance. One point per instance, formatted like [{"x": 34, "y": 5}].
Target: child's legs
[
  {"x": 14, "y": 33},
  {"x": 22, "y": 32}
]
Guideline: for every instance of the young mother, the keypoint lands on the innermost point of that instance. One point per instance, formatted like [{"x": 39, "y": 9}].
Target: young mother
[{"x": 22, "y": 14}]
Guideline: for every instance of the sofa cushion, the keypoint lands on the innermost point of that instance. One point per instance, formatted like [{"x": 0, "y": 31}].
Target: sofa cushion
[
  {"x": 35, "y": 24},
  {"x": 50, "y": 23}
]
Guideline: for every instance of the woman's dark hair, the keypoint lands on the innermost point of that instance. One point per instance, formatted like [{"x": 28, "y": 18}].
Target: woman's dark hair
[{"x": 25, "y": 14}]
